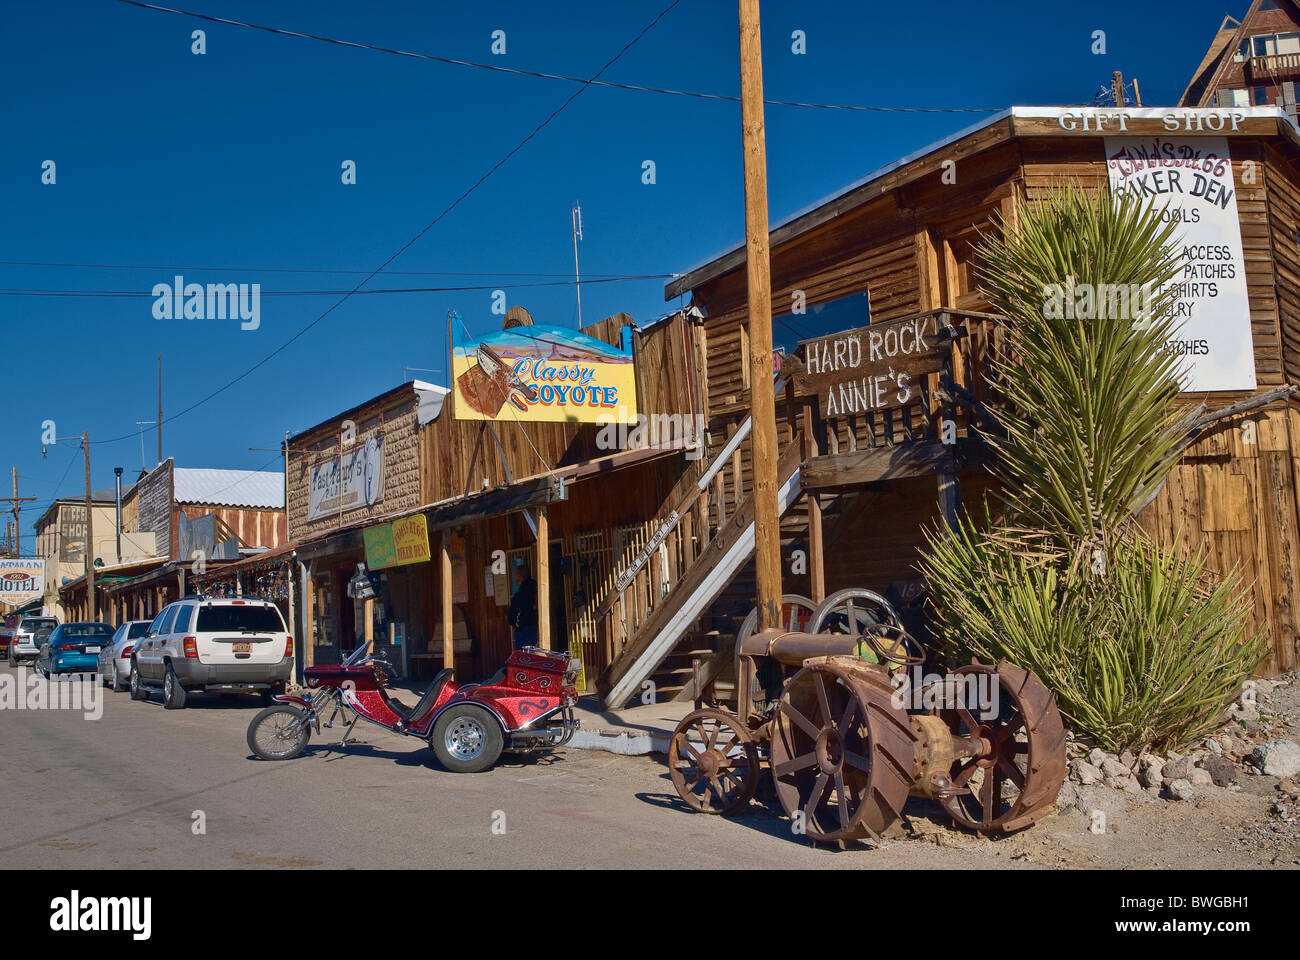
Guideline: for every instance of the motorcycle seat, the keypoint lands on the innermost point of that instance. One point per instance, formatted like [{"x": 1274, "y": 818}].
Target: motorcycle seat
[{"x": 411, "y": 714}]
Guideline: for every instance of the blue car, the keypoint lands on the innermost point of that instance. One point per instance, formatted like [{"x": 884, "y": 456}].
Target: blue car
[{"x": 73, "y": 648}]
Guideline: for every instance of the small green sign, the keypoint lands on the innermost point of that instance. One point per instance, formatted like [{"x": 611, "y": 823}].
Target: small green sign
[{"x": 381, "y": 552}]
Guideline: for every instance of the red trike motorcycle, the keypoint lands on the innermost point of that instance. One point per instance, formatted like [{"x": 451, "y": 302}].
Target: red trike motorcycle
[{"x": 527, "y": 707}]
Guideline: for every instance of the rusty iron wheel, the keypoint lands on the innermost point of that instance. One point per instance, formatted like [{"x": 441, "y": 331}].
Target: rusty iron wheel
[
  {"x": 1017, "y": 781},
  {"x": 713, "y": 762},
  {"x": 841, "y": 751},
  {"x": 797, "y": 614}
]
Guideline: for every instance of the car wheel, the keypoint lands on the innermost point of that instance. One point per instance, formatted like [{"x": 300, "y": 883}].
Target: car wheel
[
  {"x": 137, "y": 687},
  {"x": 268, "y": 696},
  {"x": 173, "y": 692},
  {"x": 467, "y": 739},
  {"x": 116, "y": 682},
  {"x": 279, "y": 732}
]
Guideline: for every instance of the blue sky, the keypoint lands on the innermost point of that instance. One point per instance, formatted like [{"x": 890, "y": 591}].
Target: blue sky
[{"x": 233, "y": 159}]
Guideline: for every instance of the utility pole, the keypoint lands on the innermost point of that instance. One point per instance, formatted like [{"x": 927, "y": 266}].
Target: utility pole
[
  {"x": 90, "y": 535},
  {"x": 160, "y": 408},
  {"x": 1117, "y": 85},
  {"x": 576, "y": 216},
  {"x": 15, "y": 500},
  {"x": 767, "y": 519}
]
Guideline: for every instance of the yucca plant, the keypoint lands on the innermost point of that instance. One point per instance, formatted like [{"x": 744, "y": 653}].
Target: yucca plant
[{"x": 1139, "y": 643}]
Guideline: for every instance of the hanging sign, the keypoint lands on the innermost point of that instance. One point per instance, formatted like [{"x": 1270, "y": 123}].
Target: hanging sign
[
  {"x": 398, "y": 543},
  {"x": 1191, "y": 178},
  {"x": 21, "y": 581},
  {"x": 538, "y": 373},
  {"x": 341, "y": 484}
]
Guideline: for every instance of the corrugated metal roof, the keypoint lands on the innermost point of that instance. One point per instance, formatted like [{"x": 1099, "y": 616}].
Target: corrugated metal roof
[{"x": 230, "y": 488}]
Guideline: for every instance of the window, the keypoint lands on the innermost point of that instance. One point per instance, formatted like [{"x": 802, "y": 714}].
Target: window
[
  {"x": 168, "y": 617},
  {"x": 1288, "y": 43},
  {"x": 243, "y": 619},
  {"x": 842, "y": 313},
  {"x": 137, "y": 630},
  {"x": 1261, "y": 97},
  {"x": 184, "y": 618}
]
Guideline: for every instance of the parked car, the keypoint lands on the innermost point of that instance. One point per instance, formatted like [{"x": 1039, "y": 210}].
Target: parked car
[
  {"x": 7, "y": 632},
  {"x": 30, "y": 634},
  {"x": 115, "y": 659},
  {"x": 215, "y": 646},
  {"x": 73, "y": 648}
]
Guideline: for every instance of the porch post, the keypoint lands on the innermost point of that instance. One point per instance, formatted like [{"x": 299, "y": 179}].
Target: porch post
[
  {"x": 816, "y": 548},
  {"x": 543, "y": 579},
  {"x": 448, "y": 642}
]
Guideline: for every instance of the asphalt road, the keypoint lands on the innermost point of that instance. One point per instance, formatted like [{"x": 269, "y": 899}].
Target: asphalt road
[{"x": 127, "y": 790}]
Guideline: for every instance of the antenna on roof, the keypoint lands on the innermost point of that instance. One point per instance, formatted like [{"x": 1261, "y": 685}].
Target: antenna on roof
[{"x": 141, "y": 425}]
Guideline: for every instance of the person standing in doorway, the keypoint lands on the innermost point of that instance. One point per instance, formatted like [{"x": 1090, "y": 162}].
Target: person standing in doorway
[{"x": 522, "y": 612}]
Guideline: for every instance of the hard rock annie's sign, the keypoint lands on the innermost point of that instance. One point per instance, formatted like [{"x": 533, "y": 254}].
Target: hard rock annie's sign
[
  {"x": 537, "y": 373},
  {"x": 1191, "y": 179},
  {"x": 878, "y": 367}
]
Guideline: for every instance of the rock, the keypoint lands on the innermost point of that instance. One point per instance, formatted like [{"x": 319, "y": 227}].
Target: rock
[
  {"x": 1174, "y": 755},
  {"x": 1201, "y": 778},
  {"x": 1288, "y": 786},
  {"x": 1127, "y": 759},
  {"x": 1247, "y": 713},
  {"x": 1115, "y": 783},
  {"x": 1131, "y": 786},
  {"x": 1265, "y": 686},
  {"x": 1149, "y": 768},
  {"x": 1096, "y": 756},
  {"x": 1081, "y": 771},
  {"x": 1222, "y": 771},
  {"x": 1181, "y": 789},
  {"x": 1068, "y": 797},
  {"x": 1250, "y": 726},
  {"x": 1278, "y": 758},
  {"x": 1213, "y": 746},
  {"x": 1153, "y": 791},
  {"x": 1116, "y": 769},
  {"x": 1178, "y": 769}
]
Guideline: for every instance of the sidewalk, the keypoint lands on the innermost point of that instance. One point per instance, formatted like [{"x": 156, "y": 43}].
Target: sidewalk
[{"x": 631, "y": 731}]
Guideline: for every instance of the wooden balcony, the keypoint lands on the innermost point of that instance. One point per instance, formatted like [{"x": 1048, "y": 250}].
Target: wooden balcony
[{"x": 1275, "y": 67}]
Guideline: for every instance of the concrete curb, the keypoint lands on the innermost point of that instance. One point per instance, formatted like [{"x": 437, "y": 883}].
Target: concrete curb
[{"x": 628, "y": 743}]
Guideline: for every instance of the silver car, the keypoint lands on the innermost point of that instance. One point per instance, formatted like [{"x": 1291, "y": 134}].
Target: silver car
[
  {"x": 30, "y": 634},
  {"x": 115, "y": 658}
]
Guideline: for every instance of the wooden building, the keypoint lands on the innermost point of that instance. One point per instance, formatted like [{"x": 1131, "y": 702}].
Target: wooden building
[
  {"x": 473, "y": 499},
  {"x": 863, "y": 469},
  {"x": 1251, "y": 61}
]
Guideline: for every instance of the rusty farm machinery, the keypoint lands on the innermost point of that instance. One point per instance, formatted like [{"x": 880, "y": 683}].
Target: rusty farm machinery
[{"x": 821, "y": 706}]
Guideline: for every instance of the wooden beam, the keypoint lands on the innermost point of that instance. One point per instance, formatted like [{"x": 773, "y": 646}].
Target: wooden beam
[
  {"x": 543, "y": 580},
  {"x": 881, "y": 463},
  {"x": 448, "y": 642},
  {"x": 816, "y": 545},
  {"x": 309, "y": 623}
]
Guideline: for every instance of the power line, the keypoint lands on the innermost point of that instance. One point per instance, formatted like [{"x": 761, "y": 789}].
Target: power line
[
  {"x": 303, "y": 270},
  {"x": 411, "y": 242},
  {"x": 496, "y": 68},
  {"x": 137, "y": 294}
]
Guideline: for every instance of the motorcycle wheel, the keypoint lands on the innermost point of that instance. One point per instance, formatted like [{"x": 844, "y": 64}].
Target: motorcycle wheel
[
  {"x": 467, "y": 739},
  {"x": 279, "y": 732}
]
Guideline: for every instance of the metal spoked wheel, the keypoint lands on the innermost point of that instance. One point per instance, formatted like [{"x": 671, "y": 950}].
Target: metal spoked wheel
[
  {"x": 279, "y": 733},
  {"x": 1018, "y": 778},
  {"x": 713, "y": 762},
  {"x": 860, "y": 612},
  {"x": 797, "y": 613},
  {"x": 841, "y": 750}
]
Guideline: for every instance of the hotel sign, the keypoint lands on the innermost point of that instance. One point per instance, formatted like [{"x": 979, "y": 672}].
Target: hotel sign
[
  {"x": 877, "y": 367},
  {"x": 21, "y": 581}
]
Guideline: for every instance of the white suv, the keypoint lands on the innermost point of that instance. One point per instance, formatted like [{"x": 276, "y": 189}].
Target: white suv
[
  {"x": 28, "y": 637},
  {"x": 219, "y": 646}
]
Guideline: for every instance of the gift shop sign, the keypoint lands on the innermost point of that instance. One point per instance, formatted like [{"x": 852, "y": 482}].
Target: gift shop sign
[{"x": 1191, "y": 179}]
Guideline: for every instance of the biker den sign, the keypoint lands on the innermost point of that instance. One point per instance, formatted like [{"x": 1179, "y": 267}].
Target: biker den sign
[
  {"x": 872, "y": 368},
  {"x": 1191, "y": 179}
]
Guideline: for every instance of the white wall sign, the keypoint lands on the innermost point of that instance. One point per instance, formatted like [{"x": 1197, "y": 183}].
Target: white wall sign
[
  {"x": 1192, "y": 179},
  {"x": 21, "y": 581},
  {"x": 362, "y": 480}
]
